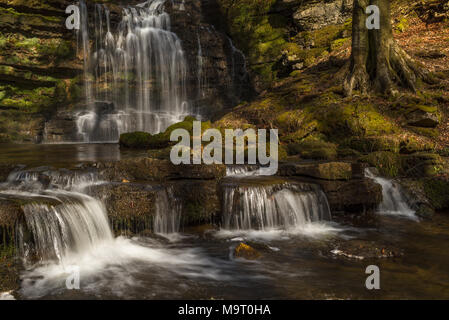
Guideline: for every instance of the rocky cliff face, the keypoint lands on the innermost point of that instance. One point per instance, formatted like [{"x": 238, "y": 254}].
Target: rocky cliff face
[{"x": 38, "y": 66}]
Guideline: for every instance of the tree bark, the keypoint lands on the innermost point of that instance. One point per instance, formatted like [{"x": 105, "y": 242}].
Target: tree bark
[{"x": 377, "y": 62}]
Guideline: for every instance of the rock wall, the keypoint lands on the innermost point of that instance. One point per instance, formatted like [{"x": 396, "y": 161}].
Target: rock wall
[{"x": 38, "y": 66}]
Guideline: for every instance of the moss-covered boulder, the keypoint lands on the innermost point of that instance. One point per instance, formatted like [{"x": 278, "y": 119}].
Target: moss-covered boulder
[
  {"x": 313, "y": 148},
  {"x": 144, "y": 140}
]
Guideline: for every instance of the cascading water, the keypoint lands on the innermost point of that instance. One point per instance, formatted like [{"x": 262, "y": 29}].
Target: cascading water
[
  {"x": 263, "y": 207},
  {"x": 168, "y": 213},
  {"x": 63, "y": 228},
  {"x": 139, "y": 72},
  {"x": 61, "y": 219},
  {"x": 393, "y": 201}
]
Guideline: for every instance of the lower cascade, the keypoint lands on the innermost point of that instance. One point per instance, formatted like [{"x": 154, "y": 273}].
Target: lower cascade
[
  {"x": 167, "y": 219},
  {"x": 275, "y": 206},
  {"x": 59, "y": 219},
  {"x": 393, "y": 200}
]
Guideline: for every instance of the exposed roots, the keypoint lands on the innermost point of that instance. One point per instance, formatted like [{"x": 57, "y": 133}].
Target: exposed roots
[{"x": 391, "y": 69}]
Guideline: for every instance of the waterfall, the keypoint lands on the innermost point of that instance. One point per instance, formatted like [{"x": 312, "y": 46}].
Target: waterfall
[
  {"x": 78, "y": 224},
  {"x": 393, "y": 201},
  {"x": 274, "y": 206},
  {"x": 200, "y": 69},
  {"x": 60, "y": 218},
  {"x": 139, "y": 71},
  {"x": 167, "y": 219}
]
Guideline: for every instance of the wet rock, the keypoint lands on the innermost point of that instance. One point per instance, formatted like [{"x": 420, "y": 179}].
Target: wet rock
[
  {"x": 62, "y": 127},
  {"x": 127, "y": 200},
  {"x": 325, "y": 170},
  {"x": 246, "y": 252}
]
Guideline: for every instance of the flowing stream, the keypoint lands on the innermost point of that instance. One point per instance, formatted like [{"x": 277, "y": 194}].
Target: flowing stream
[
  {"x": 65, "y": 229},
  {"x": 393, "y": 200}
]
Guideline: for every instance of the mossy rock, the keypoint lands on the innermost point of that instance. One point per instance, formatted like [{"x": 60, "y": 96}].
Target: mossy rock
[
  {"x": 344, "y": 153},
  {"x": 373, "y": 144},
  {"x": 437, "y": 191},
  {"x": 135, "y": 140},
  {"x": 358, "y": 119},
  {"x": 388, "y": 163},
  {"x": 144, "y": 140},
  {"x": 313, "y": 148},
  {"x": 413, "y": 144}
]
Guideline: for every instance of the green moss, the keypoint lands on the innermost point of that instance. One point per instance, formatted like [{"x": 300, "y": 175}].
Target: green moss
[
  {"x": 28, "y": 100},
  {"x": 361, "y": 120},
  {"x": 437, "y": 191},
  {"x": 144, "y": 140},
  {"x": 413, "y": 144},
  {"x": 388, "y": 163},
  {"x": 313, "y": 148},
  {"x": 260, "y": 35},
  {"x": 135, "y": 140},
  {"x": 403, "y": 25},
  {"x": 373, "y": 144},
  {"x": 337, "y": 44}
]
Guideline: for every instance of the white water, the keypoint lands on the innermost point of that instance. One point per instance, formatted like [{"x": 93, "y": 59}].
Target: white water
[
  {"x": 393, "y": 201},
  {"x": 168, "y": 213},
  {"x": 259, "y": 207},
  {"x": 71, "y": 229},
  {"x": 140, "y": 68}
]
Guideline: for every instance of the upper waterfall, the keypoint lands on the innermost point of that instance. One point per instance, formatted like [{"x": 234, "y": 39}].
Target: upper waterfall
[{"x": 134, "y": 75}]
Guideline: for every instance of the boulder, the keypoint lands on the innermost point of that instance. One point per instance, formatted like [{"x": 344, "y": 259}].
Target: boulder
[
  {"x": 315, "y": 15},
  {"x": 353, "y": 196},
  {"x": 149, "y": 169}
]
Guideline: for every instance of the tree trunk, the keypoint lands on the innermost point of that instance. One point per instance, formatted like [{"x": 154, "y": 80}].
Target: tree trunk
[{"x": 377, "y": 62}]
